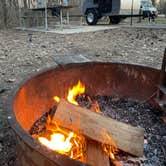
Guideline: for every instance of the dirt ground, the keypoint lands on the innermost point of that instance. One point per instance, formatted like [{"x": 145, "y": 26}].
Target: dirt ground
[{"x": 22, "y": 53}]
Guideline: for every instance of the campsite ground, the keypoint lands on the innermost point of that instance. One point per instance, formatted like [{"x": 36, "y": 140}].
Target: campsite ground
[{"x": 20, "y": 56}]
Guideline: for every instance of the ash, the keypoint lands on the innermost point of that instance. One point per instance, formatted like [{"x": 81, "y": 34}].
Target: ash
[{"x": 137, "y": 114}]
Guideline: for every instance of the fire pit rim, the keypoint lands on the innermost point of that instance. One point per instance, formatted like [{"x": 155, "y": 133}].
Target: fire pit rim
[{"x": 14, "y": 124}]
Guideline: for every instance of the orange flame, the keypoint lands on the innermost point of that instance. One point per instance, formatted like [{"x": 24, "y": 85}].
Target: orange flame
[
  {"x": 108, "y": 152},
  {"x": 111, "y": 149},
  {"x": 74, "y": 92},
  {"x": 95, "y": 105},
  {"x": 67, "y": 142},
  {"x": 80, "y": 89},
  {"x": 57, "y": 99},
  {"x": 63, "y": 141},
  {"x": 58, "y": 142}
]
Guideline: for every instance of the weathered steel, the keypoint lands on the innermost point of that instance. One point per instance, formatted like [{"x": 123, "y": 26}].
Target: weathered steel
[
  {"x": 163, "y": 68},
  {"x": 34, "y": 97},
  {"x": 160, "y": 100}
]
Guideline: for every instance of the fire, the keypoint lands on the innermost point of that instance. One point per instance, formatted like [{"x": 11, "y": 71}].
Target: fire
[
  {"x": 58, "y": 142},
  {"x": 57, "y": 99},
  {"x": 111, "y": 155},
  {"x": 67, "y": 142},
  {"x": 63, "y": 141},
  {"x": 74, "y": 92},
  {"x": 109, "y": 150},
  {"x": 95, "y": 105}
]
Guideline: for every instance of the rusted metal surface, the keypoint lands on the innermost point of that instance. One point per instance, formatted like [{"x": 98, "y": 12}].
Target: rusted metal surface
[
  {"x": 160, "y": 98},
  {"x": 163, "y": 68},
  {"x": 35, "y": 97}
]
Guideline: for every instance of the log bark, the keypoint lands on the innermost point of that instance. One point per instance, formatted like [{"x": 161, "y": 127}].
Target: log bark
[{"x": 95, "y": 126}]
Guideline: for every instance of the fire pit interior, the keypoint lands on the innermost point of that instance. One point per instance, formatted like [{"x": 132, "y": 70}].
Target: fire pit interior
[{"x": 118, "y": 91}]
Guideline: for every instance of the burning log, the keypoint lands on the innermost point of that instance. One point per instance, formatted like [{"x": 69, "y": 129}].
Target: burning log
[{"x": 95, "y": 126}]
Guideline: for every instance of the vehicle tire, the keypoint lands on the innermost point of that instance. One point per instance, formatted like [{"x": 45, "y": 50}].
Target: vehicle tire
[
  {"x": 114, "y": 20},
  {"x": 91, "y": 17}
]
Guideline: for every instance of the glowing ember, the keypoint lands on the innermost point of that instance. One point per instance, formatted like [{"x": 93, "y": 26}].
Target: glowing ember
[
  {"x": 111, "y": 155},
  {"x": 108, "y": 151},
  {"x": 58, "y": 142},
  {"x": 74, "y": 92},
  {"x": 95, "y": 105},
  {"x": 57, "y": 99}
]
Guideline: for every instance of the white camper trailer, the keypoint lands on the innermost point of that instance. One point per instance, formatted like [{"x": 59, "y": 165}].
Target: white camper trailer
[{"x": 115, "y": 9}]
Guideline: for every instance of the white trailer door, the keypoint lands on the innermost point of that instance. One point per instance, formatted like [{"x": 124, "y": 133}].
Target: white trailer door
[{"x": 126, "y": 5}]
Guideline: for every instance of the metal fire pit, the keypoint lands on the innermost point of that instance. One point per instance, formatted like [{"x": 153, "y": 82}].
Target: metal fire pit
[{"x": 35, "y": 97}]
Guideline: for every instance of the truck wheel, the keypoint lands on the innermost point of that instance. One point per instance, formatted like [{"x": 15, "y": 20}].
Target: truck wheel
[
  {"x": 91, "y": 17},
  {"x": 114, "y": 20}
]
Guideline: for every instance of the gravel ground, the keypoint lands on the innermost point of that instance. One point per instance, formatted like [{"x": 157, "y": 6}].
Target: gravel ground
[{"x": 20, "y": 55}]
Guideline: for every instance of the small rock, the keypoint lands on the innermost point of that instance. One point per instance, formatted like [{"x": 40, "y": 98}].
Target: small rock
[
  {"x": 97, "y": 55},
  {"x": 2, "y": 57},
  {"x": 11, "y": 80},
  {"x": 132, "y": 109},
  {"x": 145, "y": 141},
  {"x": 155, "y": 151},
  {"x": 43, "y": 46},
  {"x": 115, "y": 99},
  {"x": 2, "y": 90}
]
